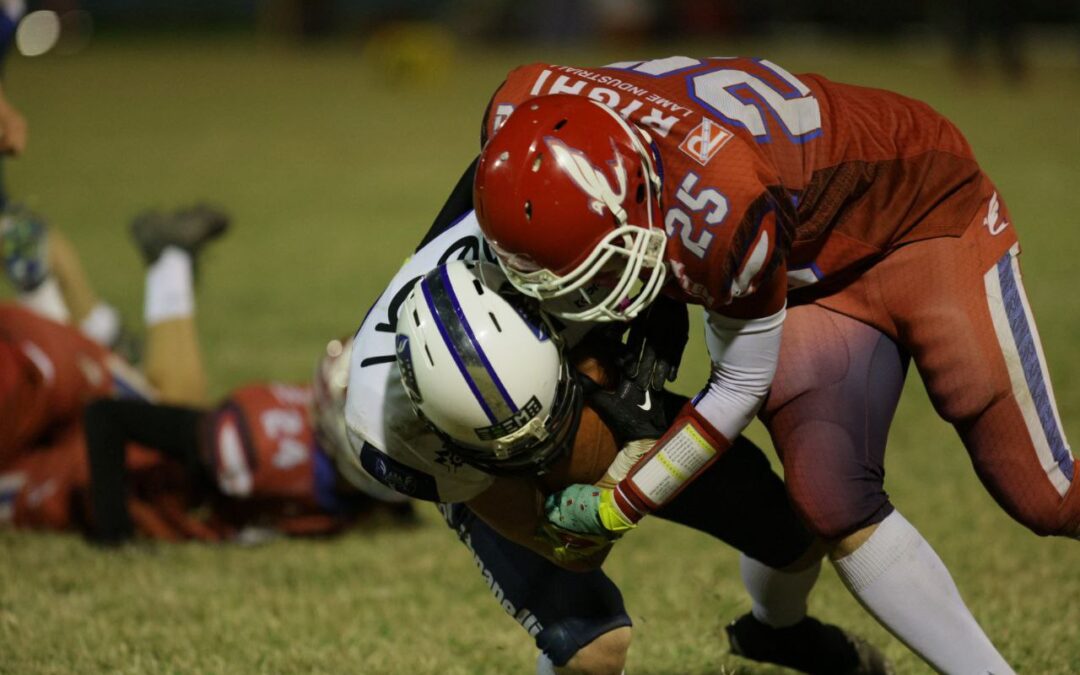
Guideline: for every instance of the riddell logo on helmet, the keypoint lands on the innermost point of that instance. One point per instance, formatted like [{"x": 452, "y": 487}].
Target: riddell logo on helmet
[{"x": 705, "y": 140}]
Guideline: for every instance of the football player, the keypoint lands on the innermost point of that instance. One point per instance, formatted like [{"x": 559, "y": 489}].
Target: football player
[
  {"x": 491, "y": 498},
  {"x": 268, "y": 460},
  {"x": 857, "y": 217},
  {"x": 266, "y": 471},
  {"x": 50, "y": 370}
]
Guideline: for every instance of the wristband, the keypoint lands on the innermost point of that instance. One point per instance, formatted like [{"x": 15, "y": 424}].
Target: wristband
[{"x": 678, "y": 458}]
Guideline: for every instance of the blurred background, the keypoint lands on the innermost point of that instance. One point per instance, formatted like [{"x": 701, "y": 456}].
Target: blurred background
[
  {"x": 332, "y": 131},
  {"x": 974, "y": 31}
]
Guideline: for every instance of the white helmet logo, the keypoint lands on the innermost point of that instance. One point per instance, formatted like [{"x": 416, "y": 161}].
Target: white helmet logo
[{"x": 590, "y": 179}]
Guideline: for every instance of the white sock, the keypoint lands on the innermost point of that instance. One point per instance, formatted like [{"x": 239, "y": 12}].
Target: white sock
[
  {"x": 47, "y": 300},
  {"x": 903, "y": 583},
  {"x": 102, "y": 324},
  {"x": 779, "y": 597},
  {"x": 170, "y": 292}
]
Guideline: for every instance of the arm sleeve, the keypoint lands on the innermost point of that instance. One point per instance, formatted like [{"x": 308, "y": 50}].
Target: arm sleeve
[{"x": 744, "y": 353}]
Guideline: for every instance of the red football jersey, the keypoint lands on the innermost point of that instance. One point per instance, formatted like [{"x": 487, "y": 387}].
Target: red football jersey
[
  {"x": 261, "y": 446},
  {"x": 774, "y": 181},
  {"x": 48, "y": 371}
]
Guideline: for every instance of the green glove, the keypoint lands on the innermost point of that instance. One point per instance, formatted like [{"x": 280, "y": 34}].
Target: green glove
[
  {"x": 587, "y": 509},
  {"x": 570, "y": 546}
]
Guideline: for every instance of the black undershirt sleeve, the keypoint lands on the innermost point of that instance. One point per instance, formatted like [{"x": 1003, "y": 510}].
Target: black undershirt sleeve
[{"x": 109, "y": 426}]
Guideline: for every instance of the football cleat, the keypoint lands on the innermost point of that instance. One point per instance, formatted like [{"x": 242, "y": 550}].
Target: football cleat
[
  {"x": 24, "y": 247},
  {"x": 809, "y": 646},
  {"x": 188, "y": 229}
]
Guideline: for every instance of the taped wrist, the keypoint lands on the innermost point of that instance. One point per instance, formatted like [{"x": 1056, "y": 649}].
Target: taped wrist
[
  {"x": 624, "y": 462},
  {"x": 688, "y": 449}
]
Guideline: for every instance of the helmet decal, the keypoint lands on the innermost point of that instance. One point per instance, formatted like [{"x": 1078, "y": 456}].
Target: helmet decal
[
  {"x": 519, "y": 419},
  {"x": 590, "y": 179}
]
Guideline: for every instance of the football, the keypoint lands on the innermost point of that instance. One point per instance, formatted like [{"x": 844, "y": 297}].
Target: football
[
  {"x": 594, "y": 451},
  {"x": 594, "y": 446}
]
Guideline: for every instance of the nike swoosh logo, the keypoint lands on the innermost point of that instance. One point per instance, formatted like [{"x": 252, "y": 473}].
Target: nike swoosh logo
[{"x": 647, "y": 405}]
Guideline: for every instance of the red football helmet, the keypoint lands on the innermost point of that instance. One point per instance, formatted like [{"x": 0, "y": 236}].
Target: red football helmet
[{"x": 566, "y": 193}]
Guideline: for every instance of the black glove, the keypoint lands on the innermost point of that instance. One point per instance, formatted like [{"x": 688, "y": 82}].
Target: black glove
[
  {"x": 635, "y": 409},
  {"x": 656, "y": 343}
]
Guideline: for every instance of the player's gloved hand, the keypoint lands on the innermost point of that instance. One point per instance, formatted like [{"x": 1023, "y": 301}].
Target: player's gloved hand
[
  {"x": 635, "y": 410},
  {"x": 568, "y": 547},
  {"x": 586, "y": 509},
  {"x": 656, "y": 343}
]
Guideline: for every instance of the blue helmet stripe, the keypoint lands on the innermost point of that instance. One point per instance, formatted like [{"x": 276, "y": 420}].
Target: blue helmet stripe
[
  {"x": 426, "y": 288},
  {"x": 460, "y": 340},
  {"x": 490, "y": 370}
]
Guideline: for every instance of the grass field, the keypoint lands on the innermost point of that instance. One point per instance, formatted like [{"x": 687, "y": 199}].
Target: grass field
[{"x": 332, "y": 173}]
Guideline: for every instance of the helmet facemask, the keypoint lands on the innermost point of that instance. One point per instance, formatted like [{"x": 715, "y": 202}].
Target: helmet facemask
[{"x": 632, "y": 257}]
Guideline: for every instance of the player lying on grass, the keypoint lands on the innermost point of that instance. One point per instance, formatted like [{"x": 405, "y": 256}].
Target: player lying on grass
[
  {"x": 50, "y": 370},
  {"x": 857, "y": 217},
  {"x": 267, "y": 460},
  {"x": 577, "y": 619}
]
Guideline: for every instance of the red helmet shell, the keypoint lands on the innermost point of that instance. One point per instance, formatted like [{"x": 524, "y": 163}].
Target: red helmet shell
[{"x": 560, "y": 174}]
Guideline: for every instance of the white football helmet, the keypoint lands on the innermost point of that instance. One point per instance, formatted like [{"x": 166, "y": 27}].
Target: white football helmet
[
  {"x": 485, "y": 370},
  {"x": 329, "y": 387}
]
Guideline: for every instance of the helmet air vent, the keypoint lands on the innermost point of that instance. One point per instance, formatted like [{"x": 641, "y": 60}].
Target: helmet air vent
[{"x": 495, "y": 321}]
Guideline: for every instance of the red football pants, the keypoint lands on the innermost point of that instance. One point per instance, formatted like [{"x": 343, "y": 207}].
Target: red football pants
[{"x": 956, "y": 306}]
